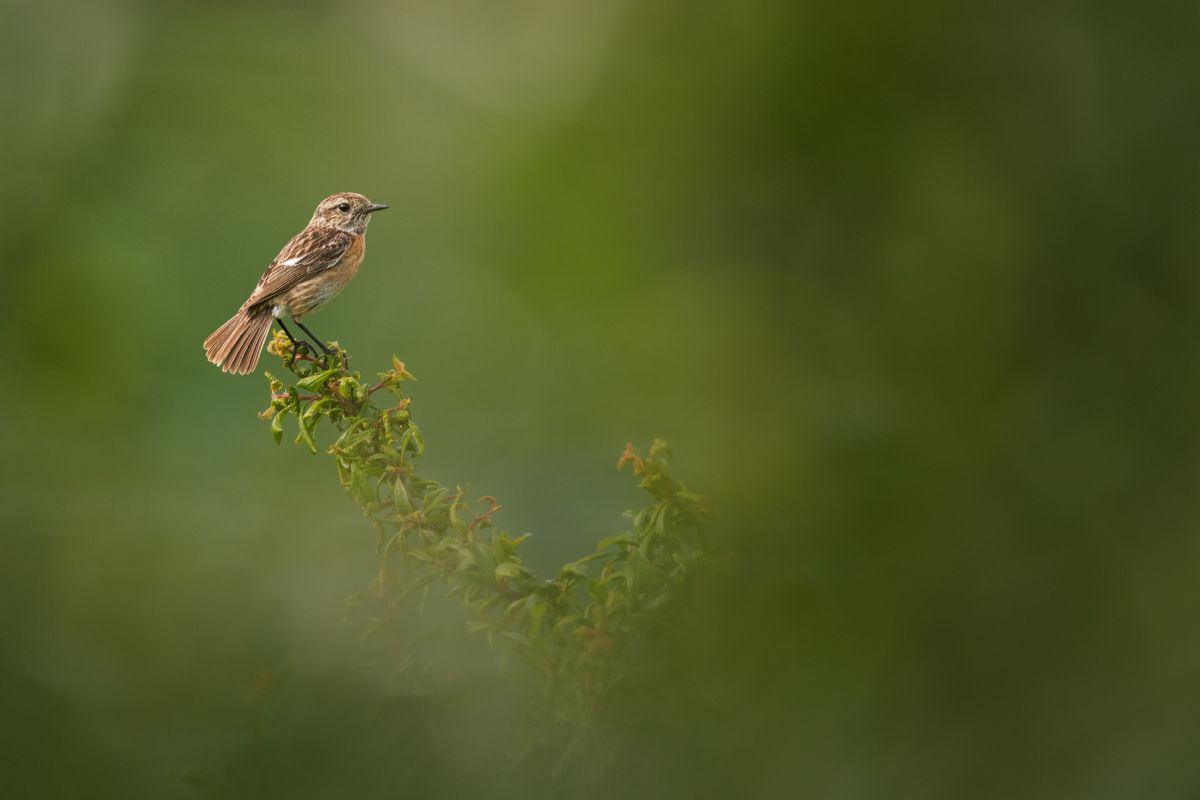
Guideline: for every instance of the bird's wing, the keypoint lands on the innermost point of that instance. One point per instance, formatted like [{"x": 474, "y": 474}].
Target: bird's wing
[{"x": 311, "y": 251}]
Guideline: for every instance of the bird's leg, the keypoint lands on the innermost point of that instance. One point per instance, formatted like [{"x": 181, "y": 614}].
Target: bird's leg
[
  {"x": 298, "y": 346},
  {"x": 320, "y": 343}
]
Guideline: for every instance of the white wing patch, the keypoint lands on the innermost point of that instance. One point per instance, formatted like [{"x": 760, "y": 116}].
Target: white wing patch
[{"x": 291, "y": 262}]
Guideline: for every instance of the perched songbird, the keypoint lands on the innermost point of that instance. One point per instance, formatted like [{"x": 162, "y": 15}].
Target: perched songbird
[{"x": 313, "y": 267}]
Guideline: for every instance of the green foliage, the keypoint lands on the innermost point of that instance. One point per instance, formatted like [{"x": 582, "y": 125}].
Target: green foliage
[{"x": 575, "y": 629}]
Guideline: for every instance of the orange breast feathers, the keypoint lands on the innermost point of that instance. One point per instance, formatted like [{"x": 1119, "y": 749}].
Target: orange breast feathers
[{"x": 348, "y": 268}]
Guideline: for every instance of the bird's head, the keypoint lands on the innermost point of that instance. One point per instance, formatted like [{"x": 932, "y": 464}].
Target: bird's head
[{"x": 345, "y": 211}]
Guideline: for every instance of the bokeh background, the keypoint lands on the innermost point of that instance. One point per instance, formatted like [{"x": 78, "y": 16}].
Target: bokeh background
[{"x": 911, "y": 288}]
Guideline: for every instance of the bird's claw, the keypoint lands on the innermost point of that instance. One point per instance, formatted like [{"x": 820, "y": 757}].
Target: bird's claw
[{"x": 297, "y": 349}]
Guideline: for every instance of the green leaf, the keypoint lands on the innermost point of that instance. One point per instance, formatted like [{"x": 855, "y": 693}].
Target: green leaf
[
  {"x": 537, "y": 615},
  {"x": 360, "y": 484},
  {"x": 398, "y": 373},
  {"x": 491, "y": 602},
  {"x": 317, "y": 379},
  {"x": 313, "y": 411},
  {"x": 305, "y": 437},
  {"x": 277, "y": 426},
  {"x": 509, "y": 569},
  {"x": 575, "y": 568},
  {"x": 400, "y": 498},
  {"x": 456, "y": 521},
  {"x": 516, "y": 605},
  {"x": 343, "y": 469},
  {"x": 466, "y": 559},
  {"x": 624, "y": 537},
  {"x": 659, "y": 449}
]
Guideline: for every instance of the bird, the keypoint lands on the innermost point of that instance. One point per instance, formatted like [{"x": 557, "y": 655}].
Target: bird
[{"x": 309, "y": 271}]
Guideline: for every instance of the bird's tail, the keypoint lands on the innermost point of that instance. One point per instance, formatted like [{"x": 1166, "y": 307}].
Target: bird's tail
[{"x": 236, "y": 345}]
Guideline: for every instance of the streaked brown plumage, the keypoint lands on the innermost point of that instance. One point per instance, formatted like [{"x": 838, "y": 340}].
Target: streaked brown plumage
[{"x": 310, "y": 270}]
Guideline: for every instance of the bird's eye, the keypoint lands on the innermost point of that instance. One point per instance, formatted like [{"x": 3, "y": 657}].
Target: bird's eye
[{"x": 343, "y": 207}]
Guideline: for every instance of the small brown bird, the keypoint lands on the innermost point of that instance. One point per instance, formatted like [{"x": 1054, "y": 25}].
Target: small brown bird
[{"x": 313, "y": 267}]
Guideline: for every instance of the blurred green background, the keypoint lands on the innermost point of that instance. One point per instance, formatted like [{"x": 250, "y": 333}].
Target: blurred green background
[{"x": 911, "y": 288}]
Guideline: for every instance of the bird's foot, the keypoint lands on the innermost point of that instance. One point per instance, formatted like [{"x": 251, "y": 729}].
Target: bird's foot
[
  {"x": 330, "y": 358},
  {"x": 334, "y": 355},
  {"x": 298, "y": 349}
]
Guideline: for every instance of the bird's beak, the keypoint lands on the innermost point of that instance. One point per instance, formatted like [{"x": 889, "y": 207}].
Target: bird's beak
[{"x": 376, "y": 207}]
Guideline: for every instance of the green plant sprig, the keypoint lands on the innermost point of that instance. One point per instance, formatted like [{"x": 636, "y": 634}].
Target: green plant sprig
[{"x": 571, "y": 628}]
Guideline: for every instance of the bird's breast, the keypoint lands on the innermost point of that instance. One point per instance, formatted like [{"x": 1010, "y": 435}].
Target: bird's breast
[{"x": 318, "y": 290}]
